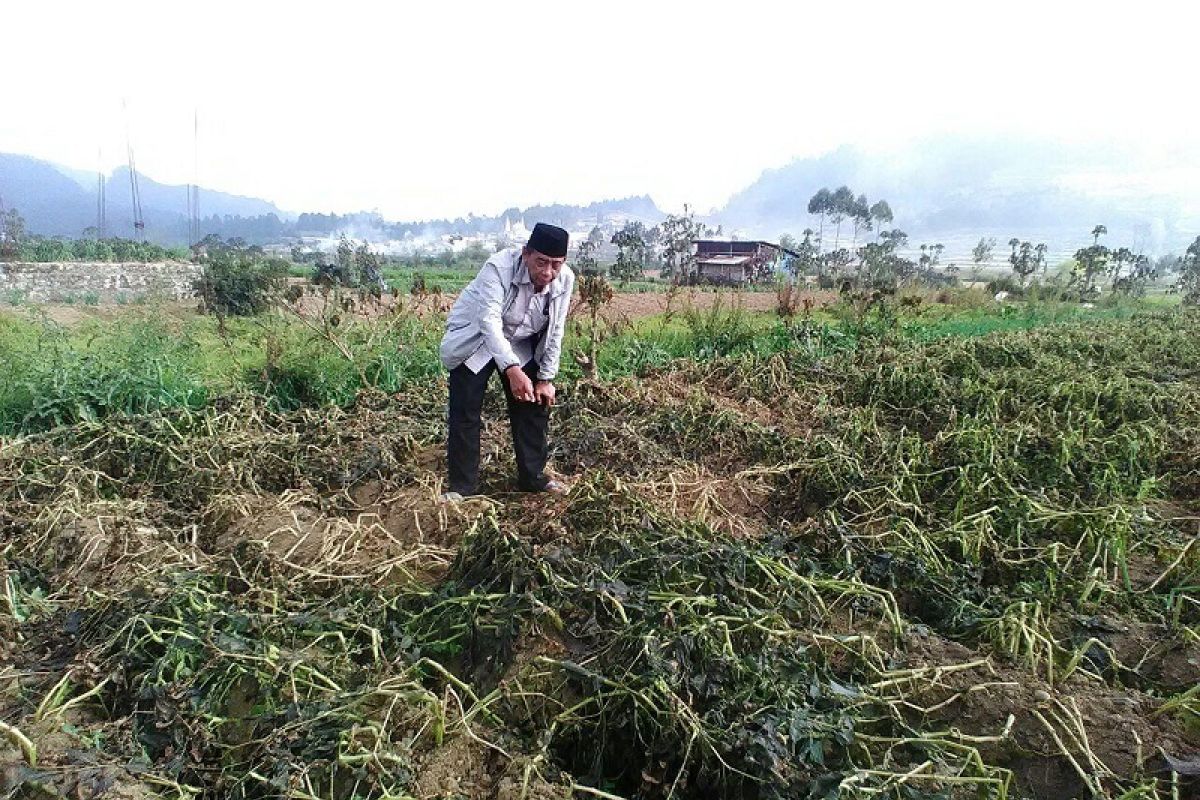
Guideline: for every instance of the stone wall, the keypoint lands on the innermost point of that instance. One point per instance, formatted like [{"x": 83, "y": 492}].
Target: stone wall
[{"x": 95, "y": 282}]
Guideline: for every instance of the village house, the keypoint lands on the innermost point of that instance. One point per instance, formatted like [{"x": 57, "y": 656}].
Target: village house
[{"x": 738, "y": 263}]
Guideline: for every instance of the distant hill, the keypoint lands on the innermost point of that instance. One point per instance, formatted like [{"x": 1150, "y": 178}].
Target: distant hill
[
  {"x": 59, "y": 201},
  {"x": 164, "y": 196},
  {"x": 957, "y": 189},
  {"x": 51, "y": 202},
  {"x": 640, "y": 207},
  {"x": 950, "y": 189}
]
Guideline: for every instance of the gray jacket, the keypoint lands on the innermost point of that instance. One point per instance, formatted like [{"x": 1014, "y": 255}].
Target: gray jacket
[{"x": 477, "y": 316}]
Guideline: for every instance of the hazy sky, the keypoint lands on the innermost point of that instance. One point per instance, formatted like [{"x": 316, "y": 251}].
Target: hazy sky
[{"x": 425, "y": 109}]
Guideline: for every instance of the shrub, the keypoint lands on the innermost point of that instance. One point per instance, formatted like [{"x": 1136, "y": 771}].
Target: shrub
[
  {"x": 1189, "y": 274},
  {"x": 55, "y": 377},
  {"x": 1049, "y": 292},
  {"x": 239, "y": 281},
  {"x": 787, "y": 299},
  {"x": 720, "y": 330},
  {"x": 45, "y": 250},
  {"x": 1006, "y": 283}
]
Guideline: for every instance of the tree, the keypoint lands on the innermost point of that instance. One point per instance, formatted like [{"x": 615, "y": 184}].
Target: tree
[
  {"x": 1097, "y": 232},
  {"x": 841, "y": 205},
  {"x": 1040, "y": 253},
  {"x": 342, "y": 270},
  {"x": 1090, "y": 263},
  {"x": 1189, "y": 274},
  {"x": 1025, "y": 258},
  {"x": 678, "y": 234},
  {"x": 1130, "y": 272},
  {"x": 807, "y": 260},
  {"x": 881, "y": 268},
  {"x": 585, "y": 257},
  {"x": 894, "y": 238},
  {"x": 821, "y": 204},
  {"x": 652, "y": 239},
  {"x": 12, "y": 233},
  {"x": 881, "y": 214},
  {"x": 860, "y": 214},
  {"x": 981, "y": 254},
  {"x": 345, "y": 259},
  {"x": 367, "y": 269},
  {"x": 631, "y": 252},
  {"x": 931, "y": 255}
]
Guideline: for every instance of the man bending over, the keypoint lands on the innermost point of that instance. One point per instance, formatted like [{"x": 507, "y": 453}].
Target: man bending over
[{"x": 510, "y": 320}]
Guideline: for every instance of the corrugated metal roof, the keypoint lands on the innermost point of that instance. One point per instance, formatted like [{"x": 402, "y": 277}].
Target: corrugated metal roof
[
  {"x": 707, "y": 246},
  {"x": 723, "y": 261}
]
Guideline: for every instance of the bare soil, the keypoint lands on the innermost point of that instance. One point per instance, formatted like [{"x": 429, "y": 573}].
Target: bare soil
[
  {"x": 635, "y": 305},
  {"x": 1103, "y": 730},
  {"x": 625, "y": 305}
]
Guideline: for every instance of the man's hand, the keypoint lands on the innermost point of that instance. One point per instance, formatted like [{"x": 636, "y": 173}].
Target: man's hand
[
  {"x": 543, "y": 391},
  {"x": 519, "y": 384}
]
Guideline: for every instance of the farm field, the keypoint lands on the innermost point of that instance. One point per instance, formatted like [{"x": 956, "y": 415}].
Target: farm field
[
  {"x": 947, "y": 551},
  {"x": 631, "y": 304}
]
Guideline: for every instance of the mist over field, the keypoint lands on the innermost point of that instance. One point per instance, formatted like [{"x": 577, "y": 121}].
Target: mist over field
[{"x": 954, "y": 189}]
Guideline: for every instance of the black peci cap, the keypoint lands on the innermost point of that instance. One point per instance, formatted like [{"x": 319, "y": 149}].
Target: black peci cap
[{"x": 549, "y": 240}]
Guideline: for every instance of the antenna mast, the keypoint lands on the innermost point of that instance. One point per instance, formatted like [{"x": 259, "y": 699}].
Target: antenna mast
[
  {"x": 139, "y": 224},
  {"x": 6, "y": 247},
  {"x": 101, "y": 205},
  {"x": 189, "y": 213},
  {"x": 195, "y": 222}
]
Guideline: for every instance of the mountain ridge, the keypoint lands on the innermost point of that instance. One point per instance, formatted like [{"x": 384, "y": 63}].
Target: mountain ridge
[
  {"x": 941, "y": 189},
  {"x": 981, "y": 186},
  {"x": 59, "y": 201}
]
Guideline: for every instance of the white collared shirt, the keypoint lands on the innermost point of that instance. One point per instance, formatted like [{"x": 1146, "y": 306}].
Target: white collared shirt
[
  {"x": 523, "y": 320},
  {"x": 477, "y": 316}
]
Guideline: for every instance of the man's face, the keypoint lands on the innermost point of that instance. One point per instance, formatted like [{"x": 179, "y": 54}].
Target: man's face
[{"x": 543, "y": 269}]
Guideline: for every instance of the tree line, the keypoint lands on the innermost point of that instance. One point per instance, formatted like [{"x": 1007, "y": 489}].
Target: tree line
[
  {"x": 1091, "y": 268},
  {"x": 880, "y": 264},
  {"x": 876, "y": 263}
]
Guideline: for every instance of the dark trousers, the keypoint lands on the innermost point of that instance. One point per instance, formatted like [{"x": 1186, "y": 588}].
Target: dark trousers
[{"x": 529, "y": 422}]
